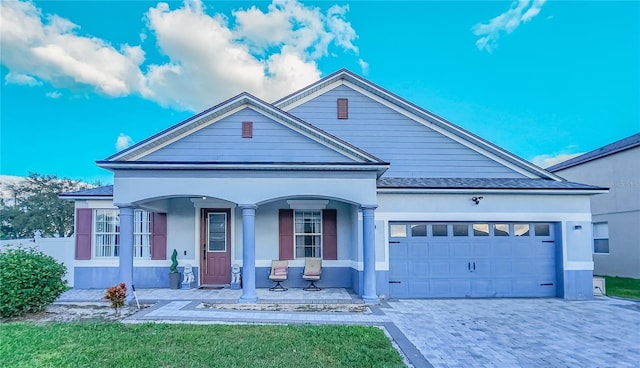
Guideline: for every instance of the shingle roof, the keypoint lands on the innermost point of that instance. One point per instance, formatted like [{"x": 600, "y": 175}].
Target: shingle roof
[
  {"x": 609, "y": 149},
  {"x": 480, "y": 183},
  {"x": 105, "y": 191}
]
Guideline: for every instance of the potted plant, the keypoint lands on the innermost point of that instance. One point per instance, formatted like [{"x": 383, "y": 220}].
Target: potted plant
[{"x": 174, "y": 275}]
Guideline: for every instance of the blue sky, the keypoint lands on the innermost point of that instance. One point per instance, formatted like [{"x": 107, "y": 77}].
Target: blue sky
[{"x": 80, "y": 79}]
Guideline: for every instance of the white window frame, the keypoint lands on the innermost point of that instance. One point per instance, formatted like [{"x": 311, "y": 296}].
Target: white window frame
[
  {"x": 106, "y": 243},
  {"x": 601, "y": 235},
  {"x": 142, "y": 232},
  {"x": 316, "y": 248}
]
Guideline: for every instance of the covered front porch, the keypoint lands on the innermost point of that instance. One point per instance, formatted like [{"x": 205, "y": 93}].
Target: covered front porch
[{"x": 250, "y": 227}]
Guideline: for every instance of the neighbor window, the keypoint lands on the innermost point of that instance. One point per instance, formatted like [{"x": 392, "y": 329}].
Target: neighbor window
[
  {"x": 308, "y": 233},
  {"x": 601, "y": 237},
  {"x": 107, "y": 233}
]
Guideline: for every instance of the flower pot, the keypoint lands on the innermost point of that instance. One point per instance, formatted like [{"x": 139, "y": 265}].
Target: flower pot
[{"x": 174, "y": 280}]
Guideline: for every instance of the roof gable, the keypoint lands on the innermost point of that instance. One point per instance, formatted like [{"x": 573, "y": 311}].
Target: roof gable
[
  {"x": 346, "y": 78},
  {"x": 609, "y": 149},
  {"x": 196, "y": 139}
]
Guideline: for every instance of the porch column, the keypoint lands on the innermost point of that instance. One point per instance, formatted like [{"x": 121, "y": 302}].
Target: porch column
[
  {"x": 369, "y": 253},
  {"x": 126, "y": 248},
  {"x": 248, "y": 253}
]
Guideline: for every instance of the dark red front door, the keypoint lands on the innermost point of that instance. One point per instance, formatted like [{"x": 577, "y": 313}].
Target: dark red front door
[{"x": 216, "y": 246}]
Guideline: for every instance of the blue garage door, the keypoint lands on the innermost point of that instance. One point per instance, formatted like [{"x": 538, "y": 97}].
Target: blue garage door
[{"x": 481, "y": 259}]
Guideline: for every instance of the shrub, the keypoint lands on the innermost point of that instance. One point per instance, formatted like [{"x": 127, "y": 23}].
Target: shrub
[
  {"x": 29, "y": 281},
  {"x": 117, "y": 295}
]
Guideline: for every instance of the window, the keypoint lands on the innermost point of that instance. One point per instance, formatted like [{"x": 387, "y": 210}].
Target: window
[
  {"x": 521, "y": 229},
  {"x": 142, "y": 234},
  {"x": 107, "y": 233},
  {"x": 541, "y": 229},
  {"x": 308, "y": 233},
  {"x": 418, "y": 230},
  {"x": 500, "y": 229},
  {"x": 460, "y": 230},
  {"x": 439, "y": 230},
  {"x": 601, "y": 237},
  {"x": 480, "y": 229},
  {"x": 398, "y": 230}
]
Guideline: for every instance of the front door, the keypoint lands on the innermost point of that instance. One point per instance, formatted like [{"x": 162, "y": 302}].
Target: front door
[{"x": 216, "y": 246}]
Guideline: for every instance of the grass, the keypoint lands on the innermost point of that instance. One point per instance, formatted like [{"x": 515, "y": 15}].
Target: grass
[
  {"x": 623, "y": 287},
  {"x": 89, "y": 344}
]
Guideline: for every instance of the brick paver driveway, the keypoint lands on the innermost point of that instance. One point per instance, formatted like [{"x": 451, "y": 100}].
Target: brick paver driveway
[{"x": 602, "y": 332}]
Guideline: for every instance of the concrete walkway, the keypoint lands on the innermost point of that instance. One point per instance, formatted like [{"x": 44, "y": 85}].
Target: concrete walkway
[{"x": 603, "y": 332}]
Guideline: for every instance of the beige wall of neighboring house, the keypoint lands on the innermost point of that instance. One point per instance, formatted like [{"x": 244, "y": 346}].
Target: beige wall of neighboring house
[{"x": 619, "y": 209}]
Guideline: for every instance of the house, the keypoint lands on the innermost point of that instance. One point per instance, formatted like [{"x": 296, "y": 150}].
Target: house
[
  {"x": 616, "y": 215},
  {"x": 398, "y": 202}
]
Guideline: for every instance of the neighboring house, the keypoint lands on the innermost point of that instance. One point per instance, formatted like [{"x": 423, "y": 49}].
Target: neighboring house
[
  {"x": 397, "y": 201},
  {"x": 616, "y": 215}
]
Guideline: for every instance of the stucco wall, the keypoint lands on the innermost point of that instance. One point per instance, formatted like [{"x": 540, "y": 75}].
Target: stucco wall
[{"x": 620, "y": 172}]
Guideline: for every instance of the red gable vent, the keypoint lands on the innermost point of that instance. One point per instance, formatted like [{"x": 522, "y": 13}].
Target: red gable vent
[
  {"x": 247, "y": 129},
  {"x": 343, "y": 108}
]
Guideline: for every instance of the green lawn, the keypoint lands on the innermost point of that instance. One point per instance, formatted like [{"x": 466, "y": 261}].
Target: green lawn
[
  {"x": 623, "y": 287},
  {"x": 166, "y": 345}
]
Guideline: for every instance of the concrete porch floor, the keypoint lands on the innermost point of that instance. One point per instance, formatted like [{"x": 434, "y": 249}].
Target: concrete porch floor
[{"x": 224, "y": 295}]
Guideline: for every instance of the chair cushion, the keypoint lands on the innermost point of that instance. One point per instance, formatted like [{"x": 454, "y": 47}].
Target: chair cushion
[
  {"x": 312, "y": 273},
  {"x": 280, "y": 271}
]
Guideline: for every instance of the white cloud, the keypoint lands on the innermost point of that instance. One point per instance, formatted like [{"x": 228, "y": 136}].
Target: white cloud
[
  {"x": 364, "y": 66},
  {"x": 123, "y": 141},
  {"x": 269, "y": 54},
  {"x": 19, "y": 78},
  {"x": 54, "y": 94},
  {"x": 520, "y": 12},
  {"x": 545, "y": 161},
  {"x": 48, "y": 48}
]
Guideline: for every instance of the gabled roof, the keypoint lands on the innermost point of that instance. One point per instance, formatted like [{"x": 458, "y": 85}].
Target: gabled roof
[
  {"x": 609, "y": 149},
  {"x": 131, "y": 154},
  {"x": 347, "y": 77},
  {"x": 98, "y": 192},
  {"x": 483, "y": 184}
]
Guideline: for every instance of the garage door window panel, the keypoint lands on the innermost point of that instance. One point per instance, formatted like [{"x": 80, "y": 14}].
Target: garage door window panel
[
  {"x": 480, "y": 229},
  {"x": 521, "y": 230},
  {"x": 398, "y": 230},
  {"x": 542, "y": 229},
  {"x": 501, "y": 230},
  {"x": 439, "y": 230},
  {"x": 460, "y": 229},
  {"x": 418, "y": 230}
]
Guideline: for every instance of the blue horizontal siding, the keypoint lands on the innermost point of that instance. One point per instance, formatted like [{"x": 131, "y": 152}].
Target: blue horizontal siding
[
  {"x": 413, "y": 149},
  {"x": 222, "y": 141}
]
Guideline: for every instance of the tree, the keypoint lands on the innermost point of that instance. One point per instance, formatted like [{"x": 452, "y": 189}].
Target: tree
[{"x": 36, "y": 206}]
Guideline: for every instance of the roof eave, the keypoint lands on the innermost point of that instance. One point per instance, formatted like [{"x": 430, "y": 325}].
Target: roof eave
[{"x": 491, "y": 191}]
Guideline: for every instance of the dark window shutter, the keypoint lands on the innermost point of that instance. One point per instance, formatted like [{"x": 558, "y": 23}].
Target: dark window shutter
[
  {"x": 286, "y": 234},
  {"x": 247, "y": 129},
  {"x": 329, "y": 235},
  {"x": 83, "y": 233},
  {"x": 159, "y": 236},
  {"x": 343, "y": 108}
]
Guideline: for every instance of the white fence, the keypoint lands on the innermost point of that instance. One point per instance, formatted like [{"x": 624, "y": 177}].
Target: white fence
[{"x": 62, "y": 249}]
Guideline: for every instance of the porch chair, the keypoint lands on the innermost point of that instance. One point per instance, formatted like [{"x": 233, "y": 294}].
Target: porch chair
[
  {"x": 279, "y": 270},
  {"x": 312, "y": 271}
]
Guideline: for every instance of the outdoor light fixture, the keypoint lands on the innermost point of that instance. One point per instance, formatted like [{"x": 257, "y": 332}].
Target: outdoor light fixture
[{"x": 476, "y": 200}]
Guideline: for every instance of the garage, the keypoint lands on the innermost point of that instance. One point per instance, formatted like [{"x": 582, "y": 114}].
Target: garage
[{"x": 472, "y": 260}]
